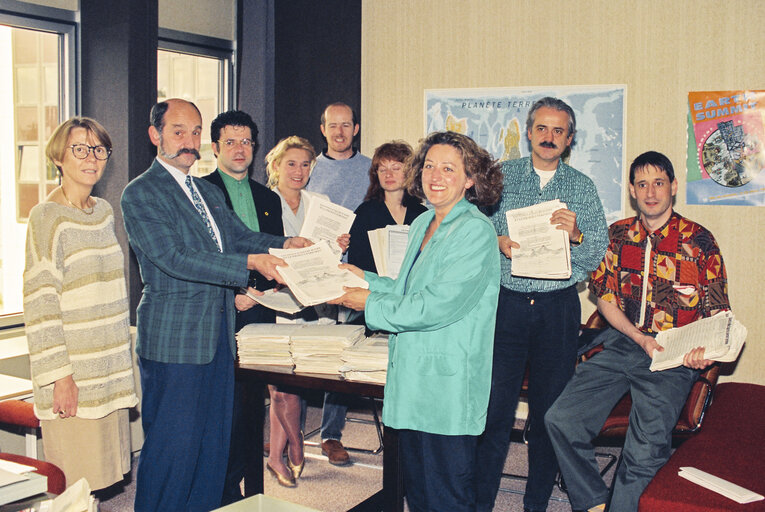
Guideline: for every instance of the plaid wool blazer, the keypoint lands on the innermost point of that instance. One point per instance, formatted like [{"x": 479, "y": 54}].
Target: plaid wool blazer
[{"x": 188, "y": 284}]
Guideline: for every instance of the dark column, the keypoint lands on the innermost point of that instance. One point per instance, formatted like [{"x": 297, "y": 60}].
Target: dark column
[
  {"x": 318, "y": 61},
  {"x": 118, "y": 87},
  {"x": 255, "y": 73}
]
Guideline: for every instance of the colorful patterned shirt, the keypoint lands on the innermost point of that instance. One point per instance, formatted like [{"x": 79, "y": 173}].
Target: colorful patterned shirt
[{"x": 687, "y": 278}]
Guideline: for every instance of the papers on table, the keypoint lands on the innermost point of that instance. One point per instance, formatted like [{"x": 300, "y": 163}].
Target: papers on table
[
  {"x": 278, "y": 300},
  {"x": 544, "y": 251},
  {"x": 367, "y": 360},
  {"x": 313, "y": 275},
  {"x": 388, "y": 247},
  {"x": 19, "y": 484},
  {"x": 325, "y": 220},
  {"x": 317, "y": 348},
  {"x": 265, "y": 344},
  {"x": 720, "y": 486},
  {"x": 721, "y": 335}
]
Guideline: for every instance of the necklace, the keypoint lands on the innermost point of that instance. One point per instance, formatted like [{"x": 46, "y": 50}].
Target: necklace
[{"x": 92, "y": 208}]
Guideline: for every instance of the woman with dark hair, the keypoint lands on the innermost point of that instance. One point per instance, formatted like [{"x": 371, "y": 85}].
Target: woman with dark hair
[
  {"x": 441, "y": 312},
  {"x": 76, "y": 315},
  {"x": 387, "y": 201}
]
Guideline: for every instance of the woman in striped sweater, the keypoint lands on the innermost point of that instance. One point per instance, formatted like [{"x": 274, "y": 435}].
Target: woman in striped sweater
[{"x": 76, "y": 315}]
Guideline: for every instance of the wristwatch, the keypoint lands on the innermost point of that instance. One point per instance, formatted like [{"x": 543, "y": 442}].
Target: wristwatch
[{"x": 578, "y": 240}]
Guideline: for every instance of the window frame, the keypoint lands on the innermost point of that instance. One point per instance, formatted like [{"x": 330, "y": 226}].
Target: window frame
[{"x": 65, "y": 23}]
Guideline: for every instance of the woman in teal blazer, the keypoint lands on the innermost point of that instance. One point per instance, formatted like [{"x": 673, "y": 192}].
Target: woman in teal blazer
[{"x": 441, "y": 312}]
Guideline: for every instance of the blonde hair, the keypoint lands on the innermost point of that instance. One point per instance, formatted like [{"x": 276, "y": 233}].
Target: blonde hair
[
  {"x": 56, "y": 147},
  {"x": 274, "y": 157}
]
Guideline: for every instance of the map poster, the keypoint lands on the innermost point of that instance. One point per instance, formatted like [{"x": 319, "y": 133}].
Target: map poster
[
  {"x": 496, "y": 119},
  {"x": 726, "y": 155}
]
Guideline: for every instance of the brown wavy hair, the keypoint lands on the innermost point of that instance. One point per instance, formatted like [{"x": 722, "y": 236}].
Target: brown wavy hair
[
  {"x": 398, "y": 151},
  {"x": 480, "y": 166}
]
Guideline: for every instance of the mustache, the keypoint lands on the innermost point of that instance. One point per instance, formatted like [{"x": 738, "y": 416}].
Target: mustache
[
  {"x": 547, "y": 144},
  {"x": 190, "y": 151}
]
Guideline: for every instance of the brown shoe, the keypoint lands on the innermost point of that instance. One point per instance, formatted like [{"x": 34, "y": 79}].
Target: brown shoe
[{"x": 335, "y": 452}]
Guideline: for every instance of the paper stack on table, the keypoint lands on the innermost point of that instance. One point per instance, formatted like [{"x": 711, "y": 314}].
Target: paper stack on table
[
  {"x": 366, "y": 361},
  {"x": 720, "y": 486},
  {"x": 317, "y": 348},
  {"x": 267, "y": 344}
]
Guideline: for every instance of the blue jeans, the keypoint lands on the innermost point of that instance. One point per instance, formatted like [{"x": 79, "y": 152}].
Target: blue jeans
[
  {"x": 333, "y": 416},
  {"x": 580, "y": 411},
  {"x": 538, "y": 331}
]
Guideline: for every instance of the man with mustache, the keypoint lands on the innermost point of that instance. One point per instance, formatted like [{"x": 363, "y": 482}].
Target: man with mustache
[
  {"x": 193, "y": 252},
  {"x": 342, "y": 173},
  {"x": 538, "y": 319}
]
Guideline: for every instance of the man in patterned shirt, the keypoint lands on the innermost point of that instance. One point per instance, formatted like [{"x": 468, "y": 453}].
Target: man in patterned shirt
[
  {"x": 538, "y": 319},
  {"x": 685, "y": 281}
]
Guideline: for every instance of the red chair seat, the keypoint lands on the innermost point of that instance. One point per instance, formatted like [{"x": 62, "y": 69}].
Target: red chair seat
[{"x": 56, "y": 478}]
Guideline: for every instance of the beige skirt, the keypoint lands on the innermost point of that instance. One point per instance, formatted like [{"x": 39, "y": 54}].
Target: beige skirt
[{"x": 98, "y": 450}]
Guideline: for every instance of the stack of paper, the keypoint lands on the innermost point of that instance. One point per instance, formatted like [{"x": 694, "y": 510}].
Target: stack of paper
[
  {"x": 18, "y": 481},
  {"x": 388, "y": 246},
  {"x": 720, "y": 486},
  {"x": 721, "y": 335},
  {"x": 267, "y": 344},
  {"x": 366, "y": 361},
  {"x": 317, "y": 348},
  {"x": 544, "y": 251}
]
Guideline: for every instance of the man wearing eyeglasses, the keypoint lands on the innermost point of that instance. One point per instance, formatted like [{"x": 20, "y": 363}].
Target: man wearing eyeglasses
[{"x": 234, "y": 137}]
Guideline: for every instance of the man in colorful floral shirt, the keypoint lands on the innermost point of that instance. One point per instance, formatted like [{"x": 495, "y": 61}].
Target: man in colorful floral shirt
[{"x": 685, "y": 281}]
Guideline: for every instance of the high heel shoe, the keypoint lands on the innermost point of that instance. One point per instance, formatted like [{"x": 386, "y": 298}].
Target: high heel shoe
[
  {"x": 297, "y": 469},
  {"x": 285, "y": 481}
]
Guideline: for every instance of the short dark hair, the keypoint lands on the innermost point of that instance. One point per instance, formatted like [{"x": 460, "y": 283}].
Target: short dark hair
[
  {"x": 234, "y": 118},
  {"x": 398, "y": 151},
  {"x": 480, "y": 166},
  {"x": 556, "y": 104},
  {"x": 158, "y": 111},
  {"x": 655, "y": 159},
  {"x": 338, "y": 104}
]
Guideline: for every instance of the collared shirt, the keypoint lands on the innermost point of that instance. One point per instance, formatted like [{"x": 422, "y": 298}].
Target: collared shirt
[
  {"x": 686, "y": 274},
  {"x": 521, "y": 189},
  {"x": 180, "y": 177},
  {"x": 241, "y": 199}
]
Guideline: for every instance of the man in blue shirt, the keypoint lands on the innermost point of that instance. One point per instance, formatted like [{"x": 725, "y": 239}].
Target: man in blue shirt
[{"x": 538, "y": 319}]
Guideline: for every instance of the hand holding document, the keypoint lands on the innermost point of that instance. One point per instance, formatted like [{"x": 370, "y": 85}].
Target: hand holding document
[
  {"x": 313, "y": 275},
  {"x": 325, "y": 220},
  {"x": 721, "y": 335},
  {"x": 388, "y": 247},
  {"x": 544, "y": 251},
  {"x": 720, "y": 486}
]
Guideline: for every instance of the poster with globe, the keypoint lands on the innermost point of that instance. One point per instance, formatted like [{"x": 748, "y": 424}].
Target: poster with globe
[
  {"x": 726, "y": 154},
  {"x": 496, "y": 119}
]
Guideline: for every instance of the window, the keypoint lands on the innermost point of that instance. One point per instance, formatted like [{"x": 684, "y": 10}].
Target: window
[
  {"x": 197, "y": 71},
  {"x": 34, "y": 82}
]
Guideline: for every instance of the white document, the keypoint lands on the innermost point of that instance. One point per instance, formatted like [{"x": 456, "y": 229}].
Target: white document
[
  {"x": 720, "y": 486},
  {"x": 721, "y": 335},
  {"x": 278, "y": 300},
  {"x": 313, "y": 275},
  {"x": 325, "y": 220},
  {"x": 544, "y": 251},
  {"x": 388, "y": 248}
]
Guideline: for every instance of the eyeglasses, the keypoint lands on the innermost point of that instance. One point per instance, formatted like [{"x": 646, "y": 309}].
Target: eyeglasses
[
  {"x": 230, "y": 143},
  {"x": 81, "y": 151}
]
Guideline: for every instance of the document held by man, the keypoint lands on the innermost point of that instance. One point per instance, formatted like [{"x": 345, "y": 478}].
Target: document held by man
[
  {"x": 388, "y": 248},
  {"x": 312, "y": 273},
  {"x": 325, "y": 220},
  {"x": 721, "y": 335},
  {"x": 544, "y": 251}
]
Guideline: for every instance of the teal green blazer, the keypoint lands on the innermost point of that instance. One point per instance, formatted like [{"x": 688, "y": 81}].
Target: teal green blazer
[{"x": 441, "y": 311}]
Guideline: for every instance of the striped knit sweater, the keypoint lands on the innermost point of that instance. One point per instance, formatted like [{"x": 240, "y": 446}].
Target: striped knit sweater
[{"x": 76, "y": 309}]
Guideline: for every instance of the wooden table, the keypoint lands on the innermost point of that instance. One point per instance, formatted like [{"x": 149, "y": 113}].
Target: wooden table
[{"x": 255, "y": 378}]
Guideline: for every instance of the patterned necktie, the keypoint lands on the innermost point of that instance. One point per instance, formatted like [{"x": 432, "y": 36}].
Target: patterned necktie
[{"x": 201, "y": 209}]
